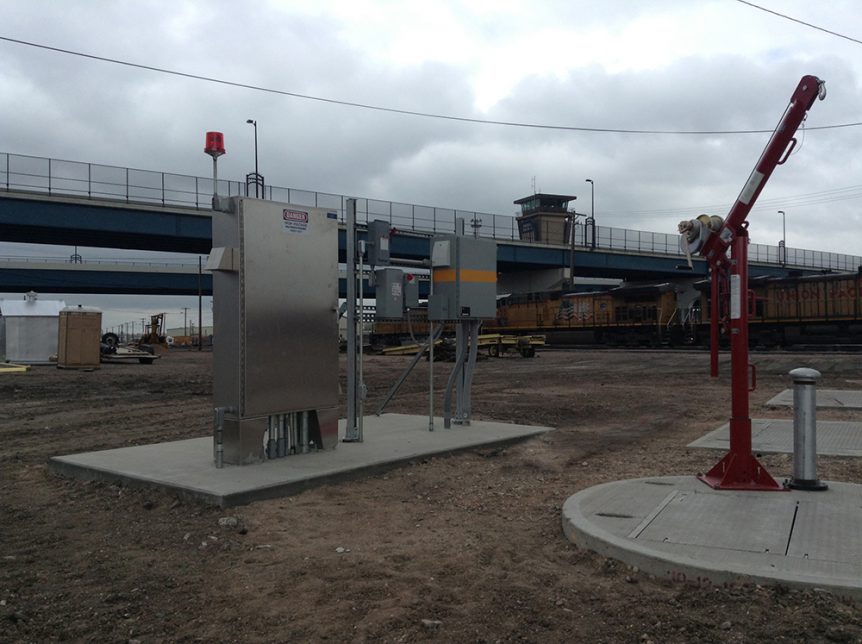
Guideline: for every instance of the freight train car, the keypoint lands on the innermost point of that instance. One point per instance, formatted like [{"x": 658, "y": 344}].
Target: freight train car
[
  {"x": 815, "y": 309},
  {"x": 641, "y": 314}
]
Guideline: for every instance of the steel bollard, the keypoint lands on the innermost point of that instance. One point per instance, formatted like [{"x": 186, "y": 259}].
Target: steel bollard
[{"x": 805, "y": 430}]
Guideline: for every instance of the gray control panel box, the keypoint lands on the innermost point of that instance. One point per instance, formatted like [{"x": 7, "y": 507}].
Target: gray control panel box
[
  {"x": 464, "y": 276},
  {"x": 378, "y": 242},
  {"x": 411, "y": 291},
  {"x": 389, "y": 293}
]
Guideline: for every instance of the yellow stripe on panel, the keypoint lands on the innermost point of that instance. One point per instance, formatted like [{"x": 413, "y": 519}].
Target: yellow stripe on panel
[{"x": 467, "y": 275}]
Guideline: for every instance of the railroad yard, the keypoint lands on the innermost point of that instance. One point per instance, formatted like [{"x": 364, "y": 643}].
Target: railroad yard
[{"x": 462, "y": 548}]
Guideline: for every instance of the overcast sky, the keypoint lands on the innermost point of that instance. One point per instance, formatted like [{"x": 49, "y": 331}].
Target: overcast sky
[{"x": 617, "y": 64}]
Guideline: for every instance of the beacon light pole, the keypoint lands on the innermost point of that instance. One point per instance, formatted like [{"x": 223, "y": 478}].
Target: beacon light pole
[{"x": 215, "y": 148}]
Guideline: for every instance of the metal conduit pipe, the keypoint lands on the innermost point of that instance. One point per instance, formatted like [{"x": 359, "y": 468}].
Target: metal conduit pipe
[
  {"x": 294, "y": 433},
  {"x": 280, "y": 446},
  {"x": 272, "y": 442},
  {"x": 467, "y": 411},
  {"x": 303, "y": 420},
  {"x": 461, "y": 339},
  {"x": 447, "y": 397},
  {"x": 395, "y": 387},
  {"x": 218, "y": 421}
]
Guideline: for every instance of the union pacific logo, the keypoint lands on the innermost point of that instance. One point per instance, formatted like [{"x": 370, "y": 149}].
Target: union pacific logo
[{"x": 295, "y": 215}]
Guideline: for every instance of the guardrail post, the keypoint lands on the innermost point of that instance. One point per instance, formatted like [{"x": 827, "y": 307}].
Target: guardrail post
[{"x": 805, "y": 430}]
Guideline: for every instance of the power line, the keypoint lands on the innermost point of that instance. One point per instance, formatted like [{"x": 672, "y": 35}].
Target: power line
[
  {"x": 801, "y": 22},
  {"x": 393, "y": 110},
  {"x": 805, "y": 199}
]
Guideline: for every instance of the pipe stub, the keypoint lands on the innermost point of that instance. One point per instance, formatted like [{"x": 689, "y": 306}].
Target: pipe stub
[{"x": 805, "y": 375}]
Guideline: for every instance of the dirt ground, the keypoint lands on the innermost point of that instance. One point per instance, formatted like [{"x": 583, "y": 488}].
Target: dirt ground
[{"x": 465, "y": 548}]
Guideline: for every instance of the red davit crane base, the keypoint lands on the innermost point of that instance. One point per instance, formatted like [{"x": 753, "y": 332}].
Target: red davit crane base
[{"x": 739, "y": 469}]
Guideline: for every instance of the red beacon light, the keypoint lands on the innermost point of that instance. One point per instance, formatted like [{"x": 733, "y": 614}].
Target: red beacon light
[
  {"x": 215, "y": 144},
  {"x": 409, "y": 277}
]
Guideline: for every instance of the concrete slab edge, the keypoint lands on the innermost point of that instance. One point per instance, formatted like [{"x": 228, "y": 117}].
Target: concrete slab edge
[
  {"x": 76, "y": 471},
  {"x": 584, "y": 533}
]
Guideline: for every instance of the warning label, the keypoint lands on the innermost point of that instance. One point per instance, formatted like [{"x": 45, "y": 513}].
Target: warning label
[
  {"x": 735, "y": 297},
  {"x": 295, "y": 222},
  {"x": 396, "y": 289}
]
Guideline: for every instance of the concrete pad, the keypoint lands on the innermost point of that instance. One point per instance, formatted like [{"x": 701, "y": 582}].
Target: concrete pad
[
  {"x": 825, "y": 398},
  {"x": 773, "y": 436},
  {"x": 680, "y": 528},
  {"x": 187, "y": 468}
]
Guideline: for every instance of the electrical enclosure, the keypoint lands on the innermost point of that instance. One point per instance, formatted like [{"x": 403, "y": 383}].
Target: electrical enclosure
[
  {"x": 464, "y": 275},
  {"x": 378, "y": 242},
  {"x": 275, "y": 269},
  {"x": 389, "y": 293},
  {"x": 411, "y": 291}
]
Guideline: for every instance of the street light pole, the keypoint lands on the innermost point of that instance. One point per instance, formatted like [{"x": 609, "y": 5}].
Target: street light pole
[
  {"x": 256, "y": 173},
  {"x": 782, "y": 246},
  {"x": 592, "y": 211}
]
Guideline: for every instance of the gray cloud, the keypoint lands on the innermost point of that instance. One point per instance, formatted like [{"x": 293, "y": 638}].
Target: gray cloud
[{"x": 67, "y": 107}]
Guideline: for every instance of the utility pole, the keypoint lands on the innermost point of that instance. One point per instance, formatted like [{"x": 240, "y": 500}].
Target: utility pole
[{"x": 185, "y": 320}]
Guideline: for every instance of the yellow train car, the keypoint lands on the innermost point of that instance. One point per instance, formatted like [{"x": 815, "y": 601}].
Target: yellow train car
[
  {"x": 814, "y": 309},
  {"x": 643, "y": 314}
]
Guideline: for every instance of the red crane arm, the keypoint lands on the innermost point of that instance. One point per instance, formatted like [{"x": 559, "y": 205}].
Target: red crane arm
[{"x": 780, "y": 146}]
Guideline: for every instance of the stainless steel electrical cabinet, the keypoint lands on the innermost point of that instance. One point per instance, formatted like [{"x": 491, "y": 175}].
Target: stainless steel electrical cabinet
[{"x": 275, "y": 346}]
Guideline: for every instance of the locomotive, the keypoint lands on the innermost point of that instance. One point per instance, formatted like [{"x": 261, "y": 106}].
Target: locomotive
[{"x": 813, "y": 309}]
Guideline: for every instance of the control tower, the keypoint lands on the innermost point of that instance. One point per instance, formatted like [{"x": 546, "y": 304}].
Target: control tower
[{"x": 545, "y": 218}]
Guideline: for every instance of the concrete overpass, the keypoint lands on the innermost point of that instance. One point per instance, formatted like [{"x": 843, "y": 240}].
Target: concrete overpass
[
  {"x": 58, "y": 202},
  {"x": 104, "y": 278}
]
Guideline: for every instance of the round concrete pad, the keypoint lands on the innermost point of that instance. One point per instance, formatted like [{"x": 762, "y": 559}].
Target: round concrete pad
[{"x": 680, "y": 528}]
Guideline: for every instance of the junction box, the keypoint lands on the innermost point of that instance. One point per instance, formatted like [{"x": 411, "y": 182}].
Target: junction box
[
  {"x": 275, "y": 357},
  {"x": 395, "y": 292},
  {"x": 464, "y": 277}
]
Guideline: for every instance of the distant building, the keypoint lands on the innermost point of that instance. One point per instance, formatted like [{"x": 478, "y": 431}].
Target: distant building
[
  {"x": 545, "y": 218},
  {"x": 29, "y": 329}
]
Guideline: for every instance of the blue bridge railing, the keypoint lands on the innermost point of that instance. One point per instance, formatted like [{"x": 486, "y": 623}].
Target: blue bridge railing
[{"x": 95, "y": 181}]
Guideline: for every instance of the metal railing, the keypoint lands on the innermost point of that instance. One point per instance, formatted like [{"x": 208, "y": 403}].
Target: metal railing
[
  {"x": 96, "y": 181},
  {"x": 106, "y": 261}
]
